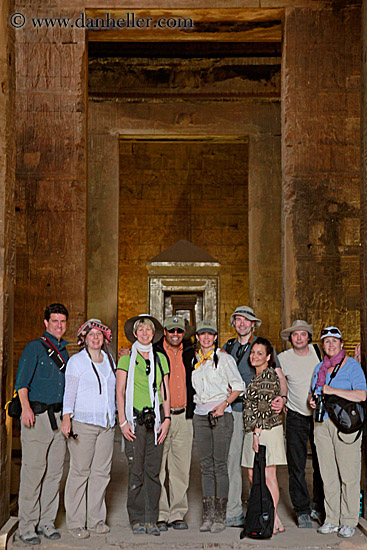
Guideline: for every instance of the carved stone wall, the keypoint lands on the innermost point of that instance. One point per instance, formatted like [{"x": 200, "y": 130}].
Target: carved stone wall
[
  {"x": 51, "y": 198},
  {"x": 7, "y": 245},
  {"x": 320, "y": 162}
]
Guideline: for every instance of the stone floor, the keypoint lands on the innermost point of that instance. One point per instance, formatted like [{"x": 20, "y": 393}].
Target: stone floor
[{"x": 121, "y": 536}]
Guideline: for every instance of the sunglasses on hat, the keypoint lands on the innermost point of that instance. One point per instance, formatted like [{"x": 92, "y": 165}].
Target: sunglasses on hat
[{"x": 326, "y": 331}]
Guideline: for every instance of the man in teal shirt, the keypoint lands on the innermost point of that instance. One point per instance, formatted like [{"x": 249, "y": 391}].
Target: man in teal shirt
[{"x": 40, "y": 385}]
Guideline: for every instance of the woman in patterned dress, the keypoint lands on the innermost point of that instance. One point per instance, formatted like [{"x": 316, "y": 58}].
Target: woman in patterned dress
[{"x": 262, "y": 424}]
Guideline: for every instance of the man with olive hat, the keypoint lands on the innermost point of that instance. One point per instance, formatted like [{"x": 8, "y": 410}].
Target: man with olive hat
[
  {"x": 176, "y": 459},
  {"x": 298, "y": 364},
  {"x": 244, "y": 320}
]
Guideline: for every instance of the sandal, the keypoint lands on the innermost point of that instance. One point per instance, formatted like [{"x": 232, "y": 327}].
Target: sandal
[{"x": 279, "y": 529}]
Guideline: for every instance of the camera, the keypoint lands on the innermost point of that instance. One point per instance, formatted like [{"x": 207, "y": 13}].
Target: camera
[
  {"x": 320, "y": 407},
  {"x": 147, "y": 417},
  {"x": 212, "y": 419}
]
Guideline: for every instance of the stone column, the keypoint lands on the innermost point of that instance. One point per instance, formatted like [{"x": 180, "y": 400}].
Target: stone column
[
  {"x": 51, "y": 171},
  {"x": 364, "y": 223},
  {"x": 320, "y": 166},
  {"x": 7, "y": 246}
]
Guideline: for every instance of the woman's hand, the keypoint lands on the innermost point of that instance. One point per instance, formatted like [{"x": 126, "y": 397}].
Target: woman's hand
[
  {"x": 66, "y": 425},
  {"x": 255, "y": 441},
  {"x": 127, "y": 432},
  {"x": 164, "y": 431},
  {"x": 219, "y": 409}
]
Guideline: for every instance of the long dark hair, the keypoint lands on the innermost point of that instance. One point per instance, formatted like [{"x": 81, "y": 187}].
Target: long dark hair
[{"x": 268, "y": 348}]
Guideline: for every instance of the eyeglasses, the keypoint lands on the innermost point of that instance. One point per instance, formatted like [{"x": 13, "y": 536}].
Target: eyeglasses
[
  {"x": 147, "y": 367},
  {"x": 330, "y": 331},
  {"x": 178, "y": 330}
]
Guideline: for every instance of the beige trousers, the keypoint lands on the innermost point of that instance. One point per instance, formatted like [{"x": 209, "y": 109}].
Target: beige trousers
[
  {"x": 89, "y": 474},
  {"x": 340, "y": 467},
  {"x": 177, "y": 459},
  {"x": 43, "y": 454}
]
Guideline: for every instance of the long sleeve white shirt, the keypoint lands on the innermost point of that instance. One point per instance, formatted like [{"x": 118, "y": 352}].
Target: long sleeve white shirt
[
  {"x": 82, "y": 399},
  {"x": 211, "y": 383}
]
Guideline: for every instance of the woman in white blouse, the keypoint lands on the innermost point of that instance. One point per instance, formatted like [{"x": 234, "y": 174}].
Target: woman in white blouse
[
  {"x": 88, "y": 423},
  {"x": 217, "y": 383}
]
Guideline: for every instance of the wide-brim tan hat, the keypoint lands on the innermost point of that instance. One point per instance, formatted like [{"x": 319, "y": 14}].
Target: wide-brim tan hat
[
  {"x": 248, "y": 313},
  {"x": 300, "y": 324},
  {"x": 129, "y": 325}
]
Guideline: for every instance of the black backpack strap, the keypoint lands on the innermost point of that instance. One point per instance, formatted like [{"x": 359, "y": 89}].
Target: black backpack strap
[
  {"x": 157, "y": 361},
  {"x": 317, "y": 351},
  {"x": 53, "y": 352},
  {"x": 229, "y": 345}
]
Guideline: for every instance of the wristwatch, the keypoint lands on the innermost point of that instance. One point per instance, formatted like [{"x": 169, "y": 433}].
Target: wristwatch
[{"x": 257, "y": 434}]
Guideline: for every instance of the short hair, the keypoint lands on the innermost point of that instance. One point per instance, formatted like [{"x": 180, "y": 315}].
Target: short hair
[
  {"x": 309, "y": 337},
  {"x": 55, "y": 308},
  {"x": 143, "y": 322},
  {"x": 268, "y": 349}
]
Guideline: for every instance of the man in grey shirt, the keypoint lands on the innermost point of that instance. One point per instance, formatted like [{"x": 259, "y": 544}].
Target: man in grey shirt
[{"x": 244, "y": 321}]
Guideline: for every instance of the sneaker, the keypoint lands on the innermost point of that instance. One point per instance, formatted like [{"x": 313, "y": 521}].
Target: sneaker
[
  {"x": 346, "y": 531},
  {"x": 327, "y": 528},
  {"x": 30, "y": 538},
  {"x": 152, "y": 529},
  {"x": 237, "y": 521},
  {"x": 48, "y": 531},
  {"x": 178, "y": 524},
  {"x": 100, "y": 528},
  {"x": 139, "y": 529},
  {"x": 79, "y": 533},
  {"x": 317, "y": 516},
  {"x": 304, "y": 521}
]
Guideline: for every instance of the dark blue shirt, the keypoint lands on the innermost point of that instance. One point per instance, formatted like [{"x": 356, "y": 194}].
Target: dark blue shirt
[
  {"x": 39, "y": 373},
  {"x": 246, "y": 370}
]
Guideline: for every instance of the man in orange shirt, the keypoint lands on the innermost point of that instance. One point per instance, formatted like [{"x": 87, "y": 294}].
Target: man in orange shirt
[{"x": 176, "y": 458}]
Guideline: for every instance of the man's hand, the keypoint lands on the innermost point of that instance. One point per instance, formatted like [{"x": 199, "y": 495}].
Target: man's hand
[
  {"x": 164, "y": 431},
  {"x": 123, "y": 351},
  {"x": 277, "y": 404},
  {"x": 28, "y": 417}
]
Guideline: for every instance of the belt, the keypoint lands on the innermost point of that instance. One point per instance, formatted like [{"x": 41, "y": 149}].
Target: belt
[
  {"x": 180, "y": 410},
  {"x": 39, "y": 408}
]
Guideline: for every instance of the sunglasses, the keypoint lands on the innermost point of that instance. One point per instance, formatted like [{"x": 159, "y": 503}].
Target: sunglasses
[
  {"x": 178, "y": 330},
  {"x": 330, "y": 331}
]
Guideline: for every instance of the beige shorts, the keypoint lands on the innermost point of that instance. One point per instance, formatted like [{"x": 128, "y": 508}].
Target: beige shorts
[{"x": 275, "y": 451}]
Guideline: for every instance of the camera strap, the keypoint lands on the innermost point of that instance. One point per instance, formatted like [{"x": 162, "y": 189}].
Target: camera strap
[
  {"x": 53, "y": 352},
  {"x": 335, "y": 371}
]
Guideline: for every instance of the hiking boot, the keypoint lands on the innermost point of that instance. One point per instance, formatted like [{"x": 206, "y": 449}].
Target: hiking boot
[
  {"x": 238, "y": 521},
  {"x": 79, "y": 533},
  {"x": 30, "y": 537},
  {"x": 220, "y": 508},
  {"x": 48, "y": 531},
  {"x": 304, "y": 521},
  {"x": 208, "y": 514},
  {"x": 100, "y": 528},
  {"x": 152, "y": 529}
]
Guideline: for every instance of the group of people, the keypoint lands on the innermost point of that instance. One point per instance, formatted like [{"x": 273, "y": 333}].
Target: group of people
[{"x": 168, "y": 391}]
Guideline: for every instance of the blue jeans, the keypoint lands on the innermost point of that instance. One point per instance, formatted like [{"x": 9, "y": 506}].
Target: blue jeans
[{"x": 299, "y": 431}]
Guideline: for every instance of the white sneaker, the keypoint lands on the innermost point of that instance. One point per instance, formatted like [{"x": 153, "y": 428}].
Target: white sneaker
[
  {"x": 346, "y": 531},
  {"x": 327, "y": 528}
]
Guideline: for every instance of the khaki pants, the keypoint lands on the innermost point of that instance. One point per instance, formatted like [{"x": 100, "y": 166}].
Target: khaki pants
[
  {"x": 89, "y": 474},
  {"x": 43, "y": 454},
  {"x": 340, "y": 467},
  {"x": 177, "y": 459}
]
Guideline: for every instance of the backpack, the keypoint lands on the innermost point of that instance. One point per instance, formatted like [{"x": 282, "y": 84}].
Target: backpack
[{"x": 259, "y": 520}]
